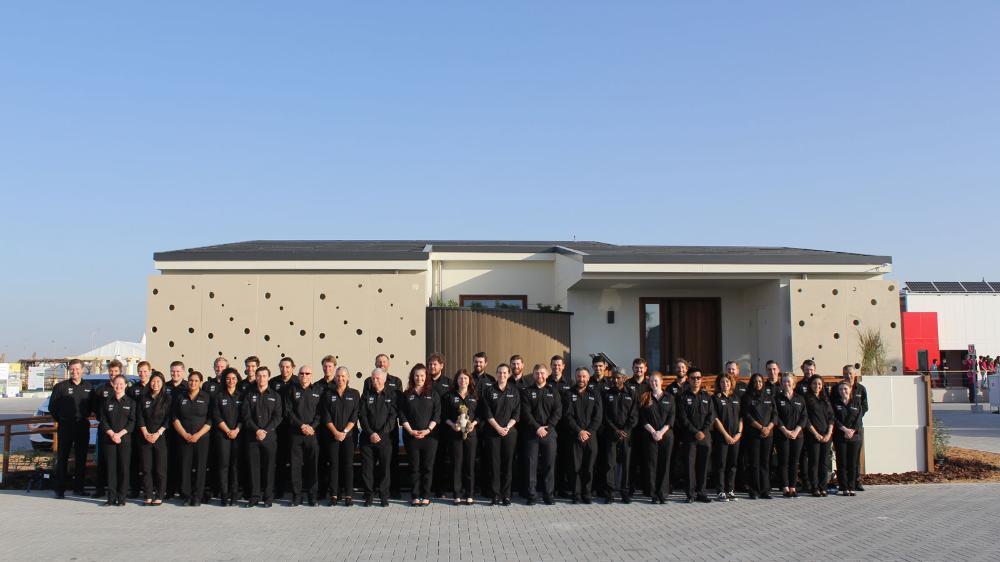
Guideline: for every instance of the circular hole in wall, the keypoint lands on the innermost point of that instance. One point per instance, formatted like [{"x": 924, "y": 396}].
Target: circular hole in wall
[
  {"x": 211, "y": 295},
  {"x": 836, "y": 292},
  {"x": 230, "y": 318},
  {"x": 291, "y": 323},
  {"x": 192, "y": 287},
  {"x": 156, "y": 291},
  {"x": 282, "y": 355},
  {"x": 836, "y": 336},
  {"x": 345, "y": 322},
  {"x": 358, "y": 374},
  {"x": 857, "y": 322},
  {"x": 893, "y": 368},
  {"x": 302, "y": 332},
  {"x": 800, "y": 290},
  {"x": 267, "y": 337},
  {"x": 857, "y": 365},
  {"x": 802, "y": 322},
  {"x": 874, "y": 302},
  {"x": 246, "y": 331},
  {"x": 220, "y": 354},
  {"x": 171, "y": 307},
  {"x": 822, "y": 306},
  {"x": 170, "y": 343},
  {"x": 892, "y": 288},
  {"x": 322, "y": 296},
  {"x": 281, "y": 308},
  {"x": 211, "y": 335},
  {"x": 359, "y": 332},
  {"x": 360, "y": 285},
  {"x": 380, "y": 290},
  {"x": 892, "y": 324},
  {"x": 190, "y": 330},
  {"x": 413, "y": 332},
  {"x": 322, "y": 335},
  {"x": 392, "y": 356},
  {"x": 267, "y": 295},
  {"x": 821, "y": 346},
  {"x": 154, "y": 329},
  {"x": 390, "y": 304},
  {"x": 379, "y": 339}
]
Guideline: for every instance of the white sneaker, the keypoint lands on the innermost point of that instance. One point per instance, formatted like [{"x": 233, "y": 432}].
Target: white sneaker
[
  {"x": 722, "y": 497},
  {"x": 732, "y": 496}
]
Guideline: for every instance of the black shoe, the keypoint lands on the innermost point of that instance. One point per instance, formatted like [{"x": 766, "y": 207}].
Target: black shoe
[
  {"x": 98, "y": 493},
  {"x": 704, "y": 499},
  {"x": 311, "y": 500},
  {"x": 608, "y": 500},
  {"x": 689, "y": 500},
  {"x": 586, "y": 500},
  {"x": 531, "y": 501},
  {"x": 368, "y": 501},
  {"x": 268, "y": 503},
  {"x": 332, "y": 501},
  {"x": 505, "y": 502},
  {"x": 384, "y": 502},
  {"x": 495, "y": 501},
  {"x": 765, "y": 496},
  {"x": 231, "y": 502},
  {"x": 224, "y": 502},
  {"x": 859, "y": 488},
  {"x": 573, "y": 499},
  {"x": 196, "y": 503},
  {"x": 296, "y": 500},
  {"x": 60, "y": 495},
  {"x": 626, "y": 499},
  {"x": 663, "y": 500},
  {"x": 549, "y": 500},
  {"x": 348, "y": 501},
  {"x": 252, "y": 502},
  {"x": 108, "y": 503}
]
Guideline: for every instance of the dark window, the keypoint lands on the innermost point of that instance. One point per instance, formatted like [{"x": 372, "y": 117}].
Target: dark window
[
  {"x": 503, "y": 302},
  {"x": 681, "y": 327}
]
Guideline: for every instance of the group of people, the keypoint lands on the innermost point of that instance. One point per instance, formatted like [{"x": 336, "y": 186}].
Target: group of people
[{"x": 590, "y": 433}]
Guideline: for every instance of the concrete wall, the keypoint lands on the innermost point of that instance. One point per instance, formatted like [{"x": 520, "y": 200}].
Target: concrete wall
[
  {"x": 826, "y": 317},
  {"x": 895, "y": 437},
  {"x": 768, "y": 311},
  {"x": 198, "y": 317},
  {"x": 963, "y": 319},
  {"x": 533, "y": 278}
]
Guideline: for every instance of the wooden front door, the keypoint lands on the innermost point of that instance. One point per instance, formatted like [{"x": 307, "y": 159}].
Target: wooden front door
[{"x": 681, "y": 327}]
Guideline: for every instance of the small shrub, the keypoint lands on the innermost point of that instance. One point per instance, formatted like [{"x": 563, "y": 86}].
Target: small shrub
[{"x": 942, "y": 440}]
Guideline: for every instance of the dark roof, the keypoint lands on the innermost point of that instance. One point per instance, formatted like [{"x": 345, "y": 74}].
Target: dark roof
[
  {"x": 952, "y": 287},
  {"x": 593, "y": 252}
]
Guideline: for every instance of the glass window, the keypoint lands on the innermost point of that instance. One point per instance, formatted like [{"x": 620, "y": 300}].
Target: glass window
[
  {"x": 501, "y": 302},
  {"x": 653, "y": 334}
]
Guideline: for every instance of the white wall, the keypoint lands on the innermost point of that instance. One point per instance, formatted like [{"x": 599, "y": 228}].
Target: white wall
[
  {"x": 533, "y": 278},
  {"x": 768, "y": 310},
  {"x": 963, "y": 319},
  {"x": 894, "y": 426}
]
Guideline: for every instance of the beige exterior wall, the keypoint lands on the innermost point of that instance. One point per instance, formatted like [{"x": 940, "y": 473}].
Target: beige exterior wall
[
  {"x": 896, "y": 424},
  {"x": 533, "y": 278},
  {"x": 826, "y": 317},
  {"x": 300, "y": 315}
]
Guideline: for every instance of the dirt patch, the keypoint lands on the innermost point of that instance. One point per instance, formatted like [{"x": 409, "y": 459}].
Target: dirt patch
[{"x": 958, "y": 465}]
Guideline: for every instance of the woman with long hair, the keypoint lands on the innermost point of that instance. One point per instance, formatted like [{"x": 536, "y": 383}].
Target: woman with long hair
[
  {"x": 500, "y": 409},
  {"x": 459, "y": 408},
  {"x": 656, "y": 417},
  {"x": 790, "y": 421},
  {"x": 757, "y": 409},
  {"x": 819, "y": 432},
  {"x": 726, "y": 437},
  {"x": 153, "y": 420},
  {"x": 419, "y": 414},
  {"x": 226, "y": 439},
  {"x": 192, "y": 422},
  {"x": 847, "y": 414}
]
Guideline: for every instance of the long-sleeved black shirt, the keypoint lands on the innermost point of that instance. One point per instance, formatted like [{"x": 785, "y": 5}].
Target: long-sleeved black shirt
[
  {"x": 659, "y": 412},
  {"x": 676, "y": 388},
  {"x": 117, "y": 414},
  {"x": 582, "y": 411},
  {"x": 420, "y": 410},
  {"x": 501, "y": 405},
  {"x": 136, "y": 390},
  {"x": 378, "y": 414},
  {"x": 620, "y": 410},
  {"x": 70, "y": 402},
  {"x": 564, "y": 385},
  {"x": 819, "y": 414},
  {"x": 174, "y": 391},
  {"x": 695, "y": 413},
  {"x": 213, "y": 386},
  {"x": 451, "y": 406},
  {"x": 302, "y": 407},
  {"x": 602, "y": 386},
  {"x": 441, "y": 386},
  {"x": 100, "y": 393},
  {"x": 226, "y": 408},
  {"x": 193, "y": 413},
  {"x": 727, "y": 411},
  {"x": 847, "y": 416},
  {"x": 262, "y": 410},
  {"x": 540, "y": 407},
  {"x": 756, "y": 408},
  {"x": 392, "y": 383},
  {"x": 790, "y": 413},
  {"x": 340, "y": 410},
  {"x": 154, "y": 413},
  {"x": 484, "y": 382},
  {"x": 637, "y": 388}
]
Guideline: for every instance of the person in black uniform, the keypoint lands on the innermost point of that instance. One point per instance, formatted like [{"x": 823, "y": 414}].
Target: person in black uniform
[
  {"x": 394, "y": 385},
  {"x": 192, "y": 422},
  {"x": 339, "y": 411},
  {"x": 262, "y": 411},
  {"x": 152, "y": 420},
  {"x": 282, "y": 383},
  {"x": 819, "y": 431},
  {"x": 847, "y": 414},
  {"x": 69, "y": 406},
  {"x": 850, "y": 376},
  {"x": 638, "y": 385},
  {"x": 757, "y": 409},
  {"x": 302, "y": 411},
  {"x": 583, "y": 414},
  {"x": 460, "y": 436},
  {"x": 101, "y": 393},
  {"x": 697, "y": 415},
  {"x": 441, "y": 385},
  {"x": 620, "y": 417},
  {"x": 135, "y": 392},
  {"x": 378, "y": 427},
  {"x": 562, "y": 382},
  {"x": 226, "y": 436},
  {"x": 790, "y": 420},
  {"x": 772, "y": 386},
  {"x": 117, "y": 421},
  {"x": 419, "y": 414},
  {"x": 541, "y": 410},
  {"x": 726, "y": 438},
  {"x": 483, "y": 382},
  {"x": 211, "y": 387},
  {"x": 678, "y": 468},
  {"x": 500, "y": 410},
  {"x": 681, "y": 368},
  {"x": 480, "y": 378},
  {"x": 808, "y": 370},
  {"x": 329, "y": 366},
  {"x": 174, "y": 388},
  {"x": 656, "y": 418},
  {"x": 249, "y": 381}
]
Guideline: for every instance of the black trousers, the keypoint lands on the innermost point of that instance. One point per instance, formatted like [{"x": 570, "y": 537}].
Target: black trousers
[
  {"x": 283, "y": 458},
  {"x": 583, "y": 457},
  {"x": 818, "y": 454},
  {"x": 483, "y": 461},
  {"x": 788, "y": 451},
  {"x": 73, "y": 437},
  {"x": 340, "y": 471},
  {"x": 657, "y": 455},
  {"x": 376, "y": 456},
  {"x": 102, "y": 466},
  {"x": 136, "y": 474},
  {"x": 261, "y": 458},
  {"x": 698, "y": 453},
  {"x": 154, "y": 466},
  {"x": 501, "y": 455},
  {"x": 638, "y": 464},
  {"x": 441, "y": 475},
  {"x": 194, "y": 457},
  {"x": 857, "y": 465},
  {"x": 565, "y": 474},
  {"x": 617, "y": 457},
  {"x": 393, "y": 472},
  {"x": 304, "y": 453},
  {"x": 462, "y": 453},
  {"x": 323, "y": 439},
  {"x": 725, "y": 461},
  {"x": 421, "y": 453},
  {"x": 848, "y": 455},
  {"x": 540, "y": 458},
  {"x": 758, "y": 451},
  {"x": 227, "y": 465},
  {"x": 173, "y": 461},
  {"x": 117, "y": 457}
]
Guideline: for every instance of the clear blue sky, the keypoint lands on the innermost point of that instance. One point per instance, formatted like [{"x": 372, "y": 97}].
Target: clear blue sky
[{"x": 127, "y": 129}]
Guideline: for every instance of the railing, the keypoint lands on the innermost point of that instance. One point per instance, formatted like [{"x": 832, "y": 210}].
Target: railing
[
  {"x": 8, "y": 433},
  {"x": 949, "y": 379}
]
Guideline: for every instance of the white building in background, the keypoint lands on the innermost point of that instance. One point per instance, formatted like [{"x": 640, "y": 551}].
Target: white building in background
[
  {"x": 129, "y": 353},
  {"x": 968, "y": 313}
]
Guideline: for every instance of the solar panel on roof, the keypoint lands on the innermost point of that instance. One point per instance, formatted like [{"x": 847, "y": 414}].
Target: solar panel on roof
[
  {"x": 977, "y": 287},
  {"x": 995, "y": 285},
  {"x": 921, "y": 286},
  {"x": 949, "y": 286}
]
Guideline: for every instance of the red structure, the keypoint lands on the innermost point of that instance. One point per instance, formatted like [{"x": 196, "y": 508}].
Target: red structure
[{"x": 920, "y": 341}]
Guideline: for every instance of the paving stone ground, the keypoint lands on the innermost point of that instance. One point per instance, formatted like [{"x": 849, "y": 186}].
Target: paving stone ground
[{"x": 919, "y": 522}]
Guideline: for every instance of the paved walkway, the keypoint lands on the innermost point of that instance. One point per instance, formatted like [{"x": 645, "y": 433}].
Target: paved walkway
[
  {"x": 926, "y": 522},
  {"x": 970, "y": 430}
]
